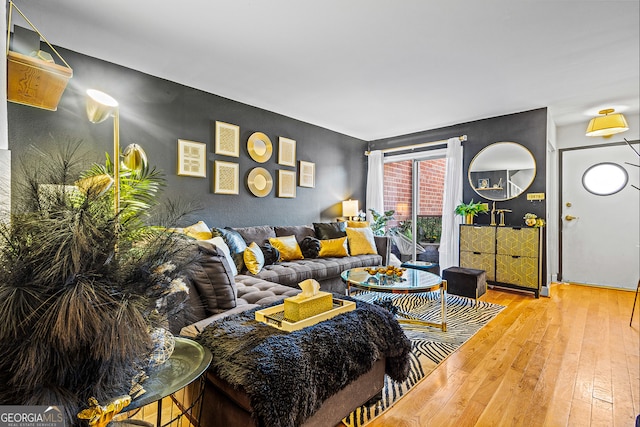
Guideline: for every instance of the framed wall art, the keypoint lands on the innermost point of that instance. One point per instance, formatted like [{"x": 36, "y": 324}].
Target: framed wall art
[
  {"x": 192, "y": 158},
  {"x": 227, "y": 139},
  {"x": 286, "y": 183},
  {"x": 259, "y": 182},
  {"x": 259, "y": 147},
  {"x": 307, "y": 172},
  {"x": 226, "y": 177},
  {"x": 286, "y": 151}
]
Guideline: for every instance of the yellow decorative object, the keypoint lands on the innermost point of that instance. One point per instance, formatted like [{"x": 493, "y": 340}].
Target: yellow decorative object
[
  {"x": 35, "y": 80},
  {"x": 361, "y": 241},
  {"x": 259, "y": 147},
  {"x": 260, "y": 182},
  {"x": 199, "y": 230},
  {"x": 274, "y": 316},
  {"x": 310, "y": 302},
  {"x": 100, "y": 416},
  {"x": 288, "y": 247},
  {"x": 607, "y": 124},
  {"x": 95, "y": 185},
  {"x": 134, "y": 157},
  {"x": 333, "y": 248},
  {"x": 253, "y": 258},
  {"x": 358, "y": 224}
]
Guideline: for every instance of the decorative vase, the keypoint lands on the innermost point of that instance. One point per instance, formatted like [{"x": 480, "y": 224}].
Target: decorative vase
[
  {"x": 163, "y": 344},
  {"x": 468, "y": 219}
]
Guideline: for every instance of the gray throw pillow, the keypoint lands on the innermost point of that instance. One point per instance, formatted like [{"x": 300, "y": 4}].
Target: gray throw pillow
[{"x": 236, "y": 244}]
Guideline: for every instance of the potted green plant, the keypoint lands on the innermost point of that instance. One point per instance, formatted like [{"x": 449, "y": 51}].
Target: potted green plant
[
  {"x": 380, "y": 220},
  {"x": 470, "y": 210},
  {"x": 83, "y": 288}
]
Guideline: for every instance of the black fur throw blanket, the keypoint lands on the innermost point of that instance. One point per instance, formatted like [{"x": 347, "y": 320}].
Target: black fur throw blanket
[{"x": 288, "y": 375}]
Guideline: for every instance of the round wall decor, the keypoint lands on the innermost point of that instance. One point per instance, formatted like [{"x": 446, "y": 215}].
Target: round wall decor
[
  {"x": 259, "y": 147},
  {"x": 260, "y": 182}
]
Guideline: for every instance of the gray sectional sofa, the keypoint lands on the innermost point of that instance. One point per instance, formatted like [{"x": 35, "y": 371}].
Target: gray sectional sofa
[
  {"x": 326, "y": 270},
  {"x": 215, "y": 293}
]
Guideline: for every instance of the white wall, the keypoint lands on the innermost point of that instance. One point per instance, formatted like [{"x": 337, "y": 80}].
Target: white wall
[
  {"x": 569, "y": 136},
  {"x": 552, "y": 205},
  {"x": 5, "y": 154},
  {"x": 573, "y": 135}
]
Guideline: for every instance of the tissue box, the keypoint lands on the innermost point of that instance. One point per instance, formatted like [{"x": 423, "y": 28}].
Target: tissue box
[{"x": 297, "y": 308}]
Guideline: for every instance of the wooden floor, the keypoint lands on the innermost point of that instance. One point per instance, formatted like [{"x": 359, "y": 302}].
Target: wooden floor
[{"x": 568, "y": 360}]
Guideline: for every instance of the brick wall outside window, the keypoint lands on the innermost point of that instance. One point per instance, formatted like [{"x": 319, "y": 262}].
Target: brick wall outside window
[{"x": 397, "y": 188}]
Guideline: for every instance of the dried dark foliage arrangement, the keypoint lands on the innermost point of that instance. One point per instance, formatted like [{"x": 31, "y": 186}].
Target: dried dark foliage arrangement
[{"x": 80, "y": 287}]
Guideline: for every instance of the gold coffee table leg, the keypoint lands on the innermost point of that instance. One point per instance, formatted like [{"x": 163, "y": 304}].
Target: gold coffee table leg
[{"x": 412, "y": 322}]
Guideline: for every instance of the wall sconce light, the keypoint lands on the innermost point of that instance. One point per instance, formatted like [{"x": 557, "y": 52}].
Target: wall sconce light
[
  {"x": 350, "y": 208},
  {"x": 607, "y": 124}
]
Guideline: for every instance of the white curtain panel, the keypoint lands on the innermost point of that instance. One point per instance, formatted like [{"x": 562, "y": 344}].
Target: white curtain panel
[
  {"x": 449, "y": 240},
  {"x": 375, "y": 176}
]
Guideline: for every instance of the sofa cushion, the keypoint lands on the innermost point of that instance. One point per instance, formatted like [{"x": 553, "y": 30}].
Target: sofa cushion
[
  {"x": 219, "y": 243},
  {"x": 253, "y": 290},
  {"x": 333, "y": 248},
  {"x": 213, "y": 279},
  {"x": 300, "y": 231},
  {"x": 290, "y": 273},
  {"x": 253, "y": 258},
  {"x": 271, "y": 254},
  {"x": 259, "y": 234},
  {"x": 358, "y": 224},
  {"x": 235, "y": 242},
  {"x": 288, "y": 247},
  {"x": 361, "y": 241},
  {"x": 199, "y": 230},
  {"x": 310, "y": 247},
  {"x": 329, "y": 230}
]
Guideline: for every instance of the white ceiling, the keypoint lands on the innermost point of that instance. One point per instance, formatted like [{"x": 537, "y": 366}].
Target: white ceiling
[{"x": 371, "y": 68}]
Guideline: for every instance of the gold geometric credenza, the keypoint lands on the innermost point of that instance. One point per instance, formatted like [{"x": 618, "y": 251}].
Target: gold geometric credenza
[
  {"x": 511, "y": 256},
  {"x": 478, "y": 249}
]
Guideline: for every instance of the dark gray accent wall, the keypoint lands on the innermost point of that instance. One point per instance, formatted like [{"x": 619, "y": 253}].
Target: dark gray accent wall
[
  {"x": 155, "y": 113},
  {"x": 528, "y": 128}
]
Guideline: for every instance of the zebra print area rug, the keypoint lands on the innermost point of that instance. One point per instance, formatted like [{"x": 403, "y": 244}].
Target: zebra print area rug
[{"x": 430, "y": 346}]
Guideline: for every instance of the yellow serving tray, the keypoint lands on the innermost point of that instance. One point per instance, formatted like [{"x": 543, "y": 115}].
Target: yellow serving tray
[{"x": 274, "y": 316}]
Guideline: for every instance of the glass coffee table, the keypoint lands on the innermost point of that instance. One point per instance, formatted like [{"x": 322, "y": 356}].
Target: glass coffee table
[{"x": 411, "y": 281}]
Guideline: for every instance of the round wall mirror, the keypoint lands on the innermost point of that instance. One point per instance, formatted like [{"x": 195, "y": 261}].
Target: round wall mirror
[{"x": 502, "y": 171}]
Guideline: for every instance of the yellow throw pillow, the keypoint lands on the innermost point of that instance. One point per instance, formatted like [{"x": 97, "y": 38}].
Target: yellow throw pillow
[
  {"x": 288, "y": 247},
  {"x": 361, "y": 241},
  {"x": 357, "y": 224},
  {"x": 253, "y": 258},
  {"x": 199, "y": 231},
  {"x": 333, "y": 247}
]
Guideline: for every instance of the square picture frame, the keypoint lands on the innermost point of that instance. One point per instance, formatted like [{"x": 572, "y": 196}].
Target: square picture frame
[
  {"x": 286, "y": 151},
  {"x": 227, "y": 137},
  {"x": 192, "y": 158},
  {"x": 226, "y": 177},
  {"x": 307, "y": 171},
  {"x": 484, "y": 183},
  {"x": 286, "y": 183}
]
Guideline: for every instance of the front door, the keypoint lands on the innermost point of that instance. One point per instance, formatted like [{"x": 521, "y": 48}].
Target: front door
[{"x": 600, "y": 231}]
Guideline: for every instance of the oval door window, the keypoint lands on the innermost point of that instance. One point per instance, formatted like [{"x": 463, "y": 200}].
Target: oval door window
[{"x": 604, "y": 179}]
